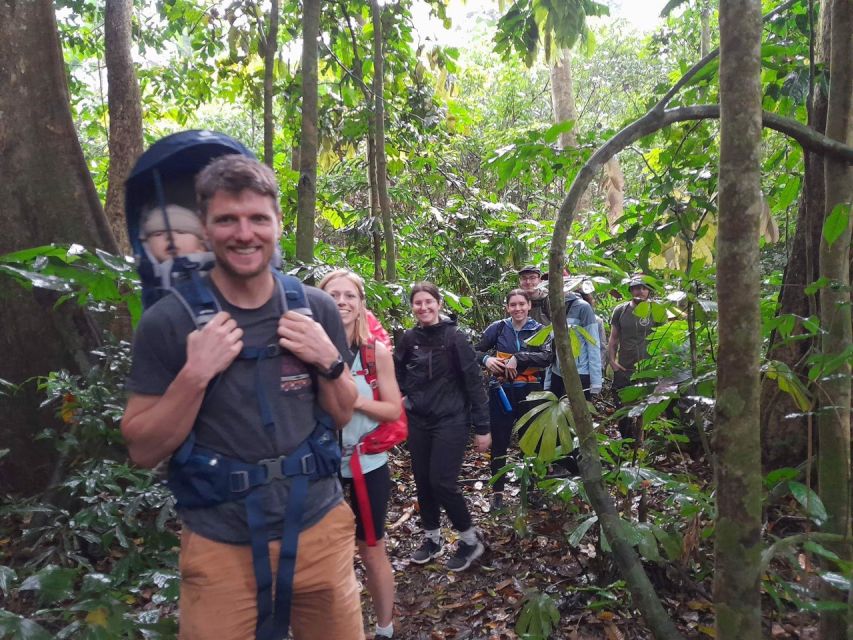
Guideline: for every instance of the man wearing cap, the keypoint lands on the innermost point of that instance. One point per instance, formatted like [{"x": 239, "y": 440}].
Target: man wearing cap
[
  {"x": 529, "y": 279},
  {"x": 627, "y": 344}
]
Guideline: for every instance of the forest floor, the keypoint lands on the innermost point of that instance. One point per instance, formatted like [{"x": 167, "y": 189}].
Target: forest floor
[{"x": 531, "y": 555}]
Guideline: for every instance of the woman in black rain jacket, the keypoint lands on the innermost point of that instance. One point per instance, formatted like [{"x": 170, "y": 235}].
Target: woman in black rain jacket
[{"x": 440, "y": 378}]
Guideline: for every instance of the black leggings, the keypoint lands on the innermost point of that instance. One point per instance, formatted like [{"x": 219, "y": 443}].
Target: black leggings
[
  {"x": 378, "y": 483},
  {"x": 437, "y": 451},
  {"x": 503, "y": 421}
]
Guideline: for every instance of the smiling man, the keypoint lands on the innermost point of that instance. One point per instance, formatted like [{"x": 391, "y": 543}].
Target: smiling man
[
  {"x": 244, "y": 391},
  {"x": 529, "y": 279}
]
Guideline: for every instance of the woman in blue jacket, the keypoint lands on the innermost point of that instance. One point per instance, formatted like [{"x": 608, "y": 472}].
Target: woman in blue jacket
[{"x": 515, "y": 371}]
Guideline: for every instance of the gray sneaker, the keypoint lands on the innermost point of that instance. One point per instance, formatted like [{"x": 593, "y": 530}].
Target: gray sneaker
[
  {"x": 465, "y": 555},
  {"x": 427, "y": 551}
]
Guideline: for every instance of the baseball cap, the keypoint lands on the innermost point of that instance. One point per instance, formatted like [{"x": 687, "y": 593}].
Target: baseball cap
[
  {"x": 530, "y": 269},
  {"x": 639, "y": 280}
]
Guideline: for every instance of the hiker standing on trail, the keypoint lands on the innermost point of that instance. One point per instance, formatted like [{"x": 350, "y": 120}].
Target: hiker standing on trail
[
  {"x": 440, "y": 377},
  {"x": 241, "y": 403},
  {"x": 579, "y": 313},
  {"x": 530, "y": 279},
  {"x": 587, "y": 288},
  {"x": 515, "y": 369},
  {"x": 347, "y": 290},
  {"x": 628, "y": 342}
]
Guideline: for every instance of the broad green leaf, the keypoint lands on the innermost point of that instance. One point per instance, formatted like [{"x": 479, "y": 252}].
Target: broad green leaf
[
  {"x": 648, "y": 544},
  {"x": 788, "y": 382},
  {"x": 836, "y": 223},
  {"x": 670, "y": 542},
  {"x": 659, "y": 312},
  {"x": 586, "y": 335},
  {"x": 552, "y": 133},
  {"x": 780, "y": 475},
  {"x": 836, "y": 580},
  {"x": 53, "y": 584},
  {"x": 820, "y": 550},
  {"x": 577, "y": 535},
  {"x": 810, "y": 501},
  {"x": 574, "y": 341},
  {"x": 654, "y": 410},
  {"x": 13, "y": 626},
  {"x": 540, "y": 337},
  {"x": 7, "y": 578}
]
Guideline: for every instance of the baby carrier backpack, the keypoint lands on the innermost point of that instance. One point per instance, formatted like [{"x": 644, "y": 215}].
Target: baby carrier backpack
[{"x": 199, "y": 477}]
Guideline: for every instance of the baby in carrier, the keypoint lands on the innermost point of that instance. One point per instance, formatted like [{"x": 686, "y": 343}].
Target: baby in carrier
[{"x": 187, "y": 233}]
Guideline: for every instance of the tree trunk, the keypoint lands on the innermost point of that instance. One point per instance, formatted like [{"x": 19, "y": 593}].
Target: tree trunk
[
  {"x": 270, "y": 50},
  {"x": 373, "y": 198},
  {"x": 705, "y": 25},
  {"x": 309, "y": 140},
  {"x": 784, "y": 430},
  {"x": 48, "y": 196},
  {"x": 125, "y": 112},
  {"x": 563, "y": 97},
  {"x": 563, "y": 102},
  {"x": 379, "y": 150},
  {"x": 833, "y": 418},
  {"x": 736, "y": 424}
]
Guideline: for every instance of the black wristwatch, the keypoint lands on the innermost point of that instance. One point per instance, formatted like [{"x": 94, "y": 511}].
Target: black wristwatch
[{"x": 334, "y": 372}]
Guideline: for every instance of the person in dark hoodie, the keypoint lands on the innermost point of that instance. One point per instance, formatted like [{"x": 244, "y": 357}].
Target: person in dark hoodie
[
  {"x": 515, "y": 369},
  {"x": 440, "y": 378}
]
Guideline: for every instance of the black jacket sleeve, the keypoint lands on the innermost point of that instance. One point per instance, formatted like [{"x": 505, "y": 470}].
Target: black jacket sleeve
[{"x": 472, "y": 380}]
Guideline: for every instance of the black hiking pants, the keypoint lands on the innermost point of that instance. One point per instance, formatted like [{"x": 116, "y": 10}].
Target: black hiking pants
[
  {"x": 503, "y": 421},
  {"x": 437, "y": 451}
]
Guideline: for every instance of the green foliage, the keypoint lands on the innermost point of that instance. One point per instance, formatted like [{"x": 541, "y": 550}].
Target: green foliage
[
  {"x": 99, "y": 280},
  {"x": 836, "y": 223},
  {"x": 539, "y": 616},
  {"x": 551, "y": 24},
  {"x": 101, "y": 542}
]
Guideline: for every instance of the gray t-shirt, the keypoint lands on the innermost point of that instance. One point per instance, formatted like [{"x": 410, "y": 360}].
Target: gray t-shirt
[
  {"x": 633, "y": 334},
  {"x": 229, "y": 421}
]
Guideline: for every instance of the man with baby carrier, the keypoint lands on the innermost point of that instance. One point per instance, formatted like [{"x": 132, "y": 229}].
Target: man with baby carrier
[{"x": 239, "y": 375}]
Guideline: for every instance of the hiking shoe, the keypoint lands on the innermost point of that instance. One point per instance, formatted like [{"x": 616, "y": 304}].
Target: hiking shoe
[
  {"x": 465, "y": 555},
  {"x": 427, "y": 551}
]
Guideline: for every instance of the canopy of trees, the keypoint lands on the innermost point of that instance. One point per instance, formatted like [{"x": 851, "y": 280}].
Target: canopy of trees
[{"x": 558, "y": 136}]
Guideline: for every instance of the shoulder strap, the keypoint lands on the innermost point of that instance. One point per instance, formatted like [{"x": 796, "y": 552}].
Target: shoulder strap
[
  {"x": 291, "y": 293},
  {"x": 198, "y": 299},
  {"x": 368, "y": 362},
  {"x": 504, "y": 324}
]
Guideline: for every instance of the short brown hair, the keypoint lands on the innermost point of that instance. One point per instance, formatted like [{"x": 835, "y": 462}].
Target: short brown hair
[
  {"x": 233, "y": 174},
  {"x": 426, "y": 287}
]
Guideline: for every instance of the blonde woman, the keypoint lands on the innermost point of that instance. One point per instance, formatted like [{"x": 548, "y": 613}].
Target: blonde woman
[{"x": 347, "y": 290}]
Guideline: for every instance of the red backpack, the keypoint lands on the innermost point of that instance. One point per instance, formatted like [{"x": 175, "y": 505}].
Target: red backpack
[{"x": 383, "y": 437}]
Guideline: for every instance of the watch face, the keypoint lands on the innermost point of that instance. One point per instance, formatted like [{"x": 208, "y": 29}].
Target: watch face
[{"x": 335, "y": 370}]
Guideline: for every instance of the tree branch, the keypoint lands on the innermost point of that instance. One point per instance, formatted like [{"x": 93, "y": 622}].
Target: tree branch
[{"x": 696, "y": 68}]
